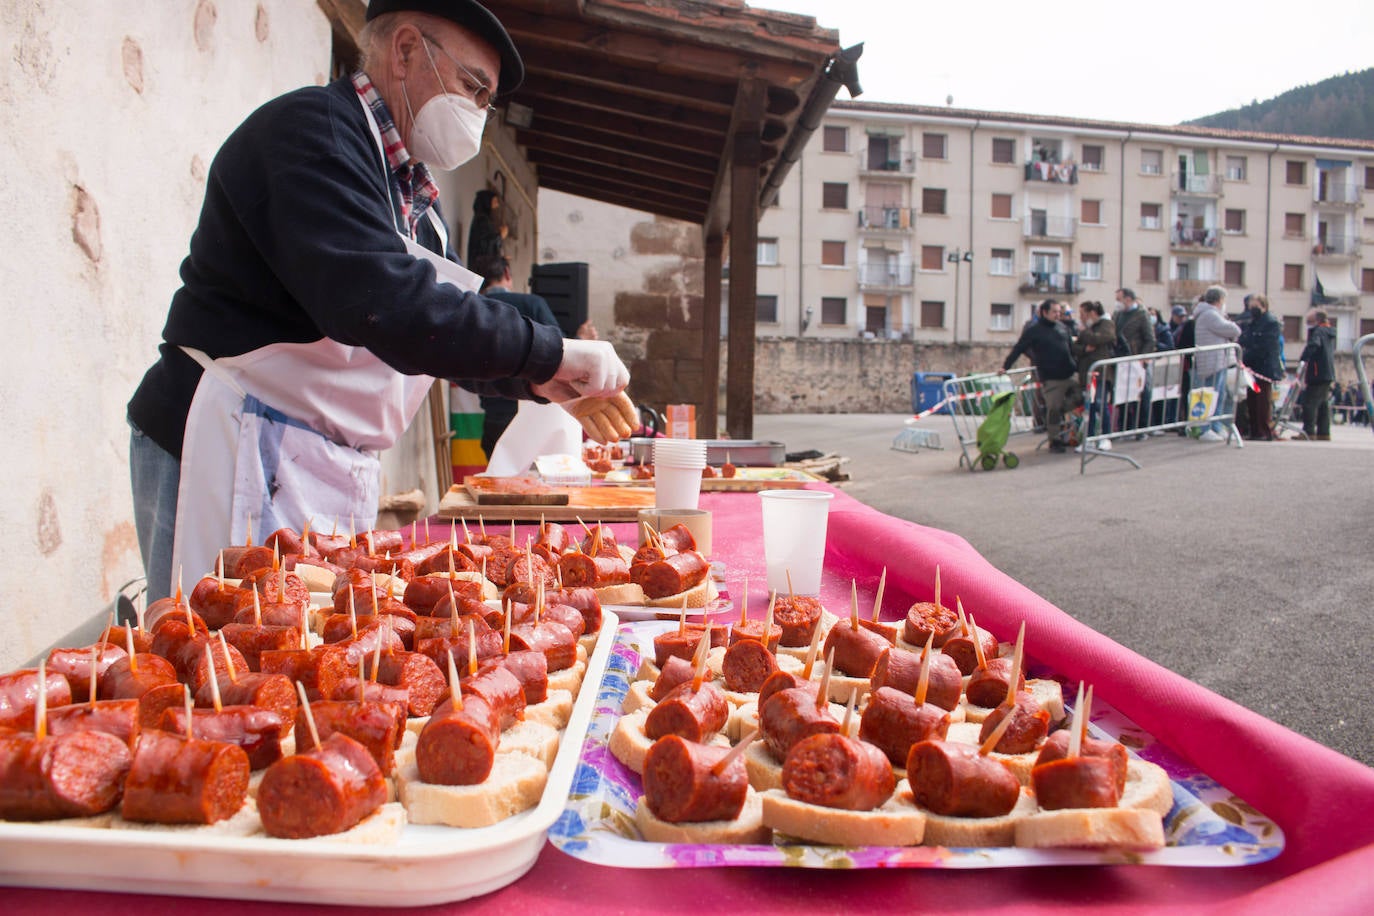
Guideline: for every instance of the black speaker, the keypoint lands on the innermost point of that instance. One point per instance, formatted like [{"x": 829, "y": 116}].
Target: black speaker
[{"x": 564, "y": 288}]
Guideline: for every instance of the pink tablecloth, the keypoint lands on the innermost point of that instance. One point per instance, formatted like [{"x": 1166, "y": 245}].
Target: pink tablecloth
[{"x": 1323, "y": 801}]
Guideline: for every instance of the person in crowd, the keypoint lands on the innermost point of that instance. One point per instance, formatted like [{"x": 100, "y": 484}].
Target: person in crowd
[
  {"x": 1212, "y": 369},
  {"x": 1178, "y": 316},
  {"x": 487, "y": 234},
  {"x": 1135, "y": 330},
  {"x": 1046, "y": 342},
  {"x": 1067, "y": 319},
  {"x": 1261, "y": 342},
  {"x": 1184, "y": 339},
  {"x": 1164, "y": 335},
  {"x": 1338, "y": 393},
  {"x": 1320, "y": 358},
  {"x": 1094, "y": 342},
  {"x": 311, "y": 321}
]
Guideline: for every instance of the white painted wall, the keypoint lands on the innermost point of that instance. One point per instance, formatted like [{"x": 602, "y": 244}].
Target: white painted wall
[{"x": 123, "y": 105}]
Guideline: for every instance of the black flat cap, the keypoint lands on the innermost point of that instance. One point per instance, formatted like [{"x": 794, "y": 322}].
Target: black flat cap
[{"x": 470, "y": 15}]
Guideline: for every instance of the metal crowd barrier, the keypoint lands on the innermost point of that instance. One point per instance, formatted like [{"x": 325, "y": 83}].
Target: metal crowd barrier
[
  {"x": 1134, "y": 397},
  {"x": 1286, "y": 411},
  {"x": 969, "y": 398}
]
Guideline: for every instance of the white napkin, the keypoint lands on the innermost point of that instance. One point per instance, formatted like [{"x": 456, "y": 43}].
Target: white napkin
[{"x": 538, "y": 429}]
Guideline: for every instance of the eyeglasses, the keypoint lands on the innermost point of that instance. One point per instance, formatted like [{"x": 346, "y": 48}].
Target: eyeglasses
[{"x": 478, "y": 90}]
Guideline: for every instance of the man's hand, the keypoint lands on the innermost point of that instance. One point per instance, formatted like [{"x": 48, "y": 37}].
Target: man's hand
[{"x": 590, "y": 368}]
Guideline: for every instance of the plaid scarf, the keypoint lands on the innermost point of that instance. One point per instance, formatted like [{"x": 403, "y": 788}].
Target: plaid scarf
[{"x": 417, "y": 189}]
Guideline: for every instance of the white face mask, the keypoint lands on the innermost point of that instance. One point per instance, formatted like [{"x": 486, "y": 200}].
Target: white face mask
[{"x": 448, "y": 130}]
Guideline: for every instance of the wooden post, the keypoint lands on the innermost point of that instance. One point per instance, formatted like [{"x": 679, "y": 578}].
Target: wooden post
[
  {"x": 708, "y": 421},
  {"x": 746, "y": 156}
]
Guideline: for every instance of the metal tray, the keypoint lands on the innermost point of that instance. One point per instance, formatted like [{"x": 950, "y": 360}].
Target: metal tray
[{"x": 742, "y": 452}]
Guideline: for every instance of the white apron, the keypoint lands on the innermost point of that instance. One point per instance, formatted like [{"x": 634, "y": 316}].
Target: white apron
[{"x": 290, "y": 433}]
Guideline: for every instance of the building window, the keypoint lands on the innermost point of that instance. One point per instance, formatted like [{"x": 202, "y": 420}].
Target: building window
[
  {"x": 1000, "y": 317},
  {"x": 835, "y": 139},
  {"x": 1292, "y": 276},
  {"x": 1152, "y": 162},
  {"x": 1234, "y": 221},
  {"x": 1296, "y": 172},
  {"x": 1149, "y": 216},
  {"x": 1093, "y": 156},
  {"x": 932, "y": 200},
  {"x": 1366, "y": 326},
  {"x": 1293, "y": 225},
  {"x": 1003, "y": 151},
  {"x": 766, "y": 309},
  {"x": 1092, "y": 212},
  {"x": 1149, "y": 269},
  {"x": 833, "y": 309},
  {"x": 1293, "y": 327},
  {"x": 1001, "y": 206},
  {"x": 933, "y": 146},
  {"x": 932, "y": 314},
  {"x": 1090, "y": 266},
  {"x": 1369, "y": 178},
  {"x": 835, "y": 195},
  {"x": 1235, "y": 168},
  {"x": 1367, "y": 279},
  {"x": 1233, "y": 273},
  {"x": 1002, "y": 263},
  {"x": 768, "y": 252},
  {"x": 932, "y": 257},
  {"x": 832, "y": 254}
]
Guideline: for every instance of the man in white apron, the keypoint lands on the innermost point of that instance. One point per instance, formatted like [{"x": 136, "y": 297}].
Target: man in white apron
[{"x": 319, "y": 302}]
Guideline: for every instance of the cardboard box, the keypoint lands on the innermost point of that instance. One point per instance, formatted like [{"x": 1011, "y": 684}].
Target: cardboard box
[{"x": 682, "y": 421}]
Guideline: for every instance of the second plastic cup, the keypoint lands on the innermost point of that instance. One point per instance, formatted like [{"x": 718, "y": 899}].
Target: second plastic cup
[
  {"x": 794, "y": 523},
  {"x": 676, "y": 488}
]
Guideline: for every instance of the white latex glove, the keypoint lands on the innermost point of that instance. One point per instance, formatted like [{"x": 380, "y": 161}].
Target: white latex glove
[{"x": 590, "y": 368}]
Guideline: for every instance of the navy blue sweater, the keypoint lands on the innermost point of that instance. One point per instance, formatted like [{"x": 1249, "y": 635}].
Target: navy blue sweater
[{"x": 297, "y": 241}]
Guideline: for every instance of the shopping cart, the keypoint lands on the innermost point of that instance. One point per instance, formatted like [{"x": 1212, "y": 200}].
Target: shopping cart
[{"x": 994, "y": 431}]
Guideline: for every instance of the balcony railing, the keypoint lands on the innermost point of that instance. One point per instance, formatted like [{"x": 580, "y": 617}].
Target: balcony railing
[
  {"x": 884, "y": 276},
  {"x": 1037, "y": 281},
  {"x": 878, "y": 219},
  {"x": 1050, "y": 227},
  {"x": 1197, "y": 237},
  {"x": 1335, "y": 192},
  {"x": 1057, "y": 172},
  {"x": 888, "y": 163},
  {"x": 1185, "y": 183},
  {"x": 1340, "y": 245},
  {"x": 1188, "y": 290}
]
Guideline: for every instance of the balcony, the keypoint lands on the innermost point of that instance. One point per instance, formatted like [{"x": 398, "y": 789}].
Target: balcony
[
  {"x": 880, "y": 162},
  {"x": 1051, "y": 228},
  {"x": 1337, "y": 246},
  {"x": 1197, "y": 237},
  {"x": 1055, "y": 172},
  {"x": 885, "y": 276},
  {"x": 1188, "y": 291},
  {"x": 1339, "y": 193},
  {"x": 1202, "y": 185},
  {"x": 1038, "y": 281},
  {"x": 886, "y": 219}
]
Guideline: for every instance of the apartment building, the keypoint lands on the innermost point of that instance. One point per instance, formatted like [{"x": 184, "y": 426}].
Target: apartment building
[{"x": 947, "y": 226}]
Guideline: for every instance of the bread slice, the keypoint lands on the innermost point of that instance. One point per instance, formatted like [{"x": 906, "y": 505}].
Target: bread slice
[
  {"x": 896, "y": 823},
  {"x": 627, "y": 594},
  {"x": 765, "y": 773},
  {"x": 699, "y": 595},
  {"x": 534, "y": 739},
  {"x": 942, "y": 830},
  {"x": 316, "y": 578},
  {"x": 93, "y": 822},
  {"x": 743, "y": 720},
  {"x": 1147, "y": 787},
  {"x": 554, "y": 712},
  {"x": 245, "y": 822},
  {"x": 515, "y": 784},
  {"x": 637, "y": 697},
  {"x": 629, "y": 744},
  {"x": 747, "y": 829},
  {"x": 1092, "y": 828},
  {"x": 1019, "y": 764},
  {"x": 1049, "y": 692},
  {"x": 381, "y": 827},
  {"x": 570, "y": 679}
]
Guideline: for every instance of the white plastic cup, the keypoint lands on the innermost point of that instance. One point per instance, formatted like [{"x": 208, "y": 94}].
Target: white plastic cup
[
  {"x": 794, "y": 523},
  {"x": 676, "y": 487}
]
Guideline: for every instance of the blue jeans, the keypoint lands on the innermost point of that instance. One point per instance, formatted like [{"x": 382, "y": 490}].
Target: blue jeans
[{"x": 155, "y": 475}]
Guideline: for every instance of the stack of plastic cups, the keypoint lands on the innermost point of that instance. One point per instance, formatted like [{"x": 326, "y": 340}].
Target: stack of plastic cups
[{"x": 678, "y": 464}]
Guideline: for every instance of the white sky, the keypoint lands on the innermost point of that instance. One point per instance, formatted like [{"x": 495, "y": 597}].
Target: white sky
[{"x": 1156, "y": 62}]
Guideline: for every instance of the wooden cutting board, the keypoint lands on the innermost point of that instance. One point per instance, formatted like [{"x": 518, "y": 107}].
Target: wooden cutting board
[
  {"x": 607, "y": 504},
  {"x": 484, "y": 497}
]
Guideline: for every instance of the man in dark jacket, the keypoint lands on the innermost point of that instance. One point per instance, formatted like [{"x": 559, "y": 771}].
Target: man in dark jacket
[
  {"x": 1136, "y": 330},
  {"x": 1261, "y": 350},
  {"x": 1320, "y": 357},
  {"x": 1046, "y": 341},
  {"x": 1093, "y": 343}
]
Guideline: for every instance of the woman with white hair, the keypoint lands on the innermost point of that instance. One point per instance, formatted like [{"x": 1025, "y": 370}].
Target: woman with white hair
[{"x": 1211, "y": 326}]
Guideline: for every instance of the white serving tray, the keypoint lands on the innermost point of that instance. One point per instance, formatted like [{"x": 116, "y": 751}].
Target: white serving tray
[{"x": 429, "y": 864}]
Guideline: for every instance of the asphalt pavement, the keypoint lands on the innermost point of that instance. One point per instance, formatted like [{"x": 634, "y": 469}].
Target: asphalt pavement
[{"x": 1246, "y": 570}]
